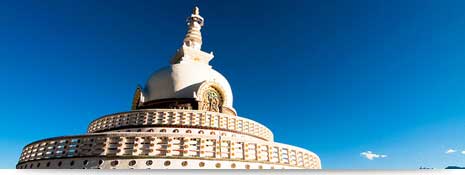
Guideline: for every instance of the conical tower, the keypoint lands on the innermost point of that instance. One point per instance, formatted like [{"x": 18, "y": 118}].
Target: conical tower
[{"x": 193, "y": 37}]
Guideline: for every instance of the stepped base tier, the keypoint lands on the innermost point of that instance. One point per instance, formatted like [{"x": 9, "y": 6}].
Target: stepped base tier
[
  {"x": 171, "y": 139},
  {"x": 183, "y": 119}
]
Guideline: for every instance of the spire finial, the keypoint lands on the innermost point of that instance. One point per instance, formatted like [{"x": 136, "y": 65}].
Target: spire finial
[
  {"x": 196, "y": 11},
  {"x": 190, "y": 51},
  {"x": 193, "y": 37}
]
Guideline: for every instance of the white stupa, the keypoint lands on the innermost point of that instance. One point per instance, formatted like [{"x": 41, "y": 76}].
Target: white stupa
[{"x": 183, "y": 119}]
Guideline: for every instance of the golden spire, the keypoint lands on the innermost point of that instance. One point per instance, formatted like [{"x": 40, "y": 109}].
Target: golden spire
[{"x": 193, "y": 37}]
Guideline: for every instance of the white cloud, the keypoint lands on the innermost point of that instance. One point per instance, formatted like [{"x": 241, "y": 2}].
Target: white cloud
[
  {"x": 370, "y": 155},
  {"x": 463, "y": 152},
  {"x": 450, "y": 151}
]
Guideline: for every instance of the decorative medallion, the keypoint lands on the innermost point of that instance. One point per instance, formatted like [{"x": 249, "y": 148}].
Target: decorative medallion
[
  {"x": 211, "y": 100},
  {"x": 136, "y": 99}
]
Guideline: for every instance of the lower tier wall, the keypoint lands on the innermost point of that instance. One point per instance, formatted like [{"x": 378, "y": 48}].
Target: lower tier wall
[{"x": 105, "y": 163}]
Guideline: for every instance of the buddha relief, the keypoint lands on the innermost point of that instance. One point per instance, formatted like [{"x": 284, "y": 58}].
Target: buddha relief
[{"x": 211, "y": 100}]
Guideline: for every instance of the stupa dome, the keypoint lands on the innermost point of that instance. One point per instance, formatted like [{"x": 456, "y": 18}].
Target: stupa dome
[{"x": 183, "y": 81}]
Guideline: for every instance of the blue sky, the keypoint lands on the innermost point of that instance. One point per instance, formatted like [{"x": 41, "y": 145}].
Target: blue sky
[{"x": 336, "y": 77}]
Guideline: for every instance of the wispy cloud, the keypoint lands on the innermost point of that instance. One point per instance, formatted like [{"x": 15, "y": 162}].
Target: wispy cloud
[
  {"x": 370, "y": 155},
  {"x": 463, "y": 152},
  {"x": 450, "y": 151}
]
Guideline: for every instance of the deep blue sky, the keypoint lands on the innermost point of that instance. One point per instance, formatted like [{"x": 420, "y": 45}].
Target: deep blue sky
[{"x": 336, "y": 77}]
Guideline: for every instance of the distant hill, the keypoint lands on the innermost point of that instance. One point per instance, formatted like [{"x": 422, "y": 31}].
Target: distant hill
[{"x": 455, "y": 167}]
